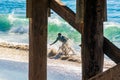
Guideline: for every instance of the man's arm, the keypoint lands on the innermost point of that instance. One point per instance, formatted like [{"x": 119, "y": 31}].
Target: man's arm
[{"x": 54, "y": 42}]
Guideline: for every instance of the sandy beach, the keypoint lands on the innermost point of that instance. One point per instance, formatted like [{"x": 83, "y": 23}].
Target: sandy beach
[
  {"x": 16, "y": 57},
  {"x": 20, "y": 52}
]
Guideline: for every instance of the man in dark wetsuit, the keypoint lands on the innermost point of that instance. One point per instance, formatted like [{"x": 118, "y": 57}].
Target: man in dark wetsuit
[
  {"x": 65, "y": 44},
  {"x": 61, "y": 38}
]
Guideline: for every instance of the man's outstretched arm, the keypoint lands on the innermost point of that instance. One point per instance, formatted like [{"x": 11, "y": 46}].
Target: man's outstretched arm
[{"x": 54, "y": 42}]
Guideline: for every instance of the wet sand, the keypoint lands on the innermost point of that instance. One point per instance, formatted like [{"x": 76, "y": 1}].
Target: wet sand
[
  {"x": 16, "y": 57},
  {"x": 20, "y": 52}
]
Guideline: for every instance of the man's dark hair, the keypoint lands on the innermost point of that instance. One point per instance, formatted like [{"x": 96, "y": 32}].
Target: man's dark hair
[{"x": 59, "y": 34}]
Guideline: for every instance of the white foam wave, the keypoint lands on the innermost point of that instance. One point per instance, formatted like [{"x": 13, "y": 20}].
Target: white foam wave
[
  {"x": 12, "y": 43},
  {"x": 56, "y": 20},
  {"x": 20, "y": 30},
  {"x": 111, "y": 24},
  {"x": 60, "y": 22},
  {"x": 19, "y": 25},
  {"x": 14, "y": 38},
  {"x": 11, "y": 18}
]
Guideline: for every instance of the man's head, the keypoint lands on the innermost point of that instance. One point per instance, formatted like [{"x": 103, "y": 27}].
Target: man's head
[{"x": 59, "y": 34}]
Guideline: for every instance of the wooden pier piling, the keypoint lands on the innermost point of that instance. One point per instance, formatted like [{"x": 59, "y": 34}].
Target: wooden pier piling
[
  {"x": 38, "y": 41},
  {"x": 92, "y": 39}
]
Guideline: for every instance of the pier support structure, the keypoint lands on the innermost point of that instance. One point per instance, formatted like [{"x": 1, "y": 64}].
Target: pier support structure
[
  {"x": 38, "y": 40},
  {"x": 90, "y": 26},
  {"x": 92, "y": 39}
]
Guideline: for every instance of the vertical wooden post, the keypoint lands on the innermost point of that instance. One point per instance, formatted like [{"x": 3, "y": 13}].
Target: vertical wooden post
[
  {"x": 92, "y": 39},
  {"x": 38, "y": 41},
  {"x": 79, "y": 11},
  {"x": 29, "y": 8},
  {"x": 105, "y": 10},
  {"x": 49, "y": 12}
]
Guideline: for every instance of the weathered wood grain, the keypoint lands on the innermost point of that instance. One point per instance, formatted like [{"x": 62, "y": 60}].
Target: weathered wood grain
[
  {"x": 110, "y": 74},
  {"x": 92, "y": 39},
  {"x": 79, "y": 11},
  {"x": 38, "y": 41},
  {"x": 29, "y": 8}
]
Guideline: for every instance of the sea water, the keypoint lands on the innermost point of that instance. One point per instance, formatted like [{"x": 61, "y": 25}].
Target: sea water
[
  {"x": 14, "y": 24},
  {"x": 14, "y": 28}
]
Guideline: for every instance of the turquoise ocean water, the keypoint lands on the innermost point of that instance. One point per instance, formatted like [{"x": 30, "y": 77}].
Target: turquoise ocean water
[{"x": 14, "y": 24}]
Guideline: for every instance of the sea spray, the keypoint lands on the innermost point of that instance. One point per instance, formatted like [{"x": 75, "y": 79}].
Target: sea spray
[
  {"x": 58, "y": 25},
  {"x": 13, "y": 29}
]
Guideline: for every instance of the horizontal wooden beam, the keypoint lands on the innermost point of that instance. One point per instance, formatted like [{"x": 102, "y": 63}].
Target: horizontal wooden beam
[{"x": 67, "y": 14}]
